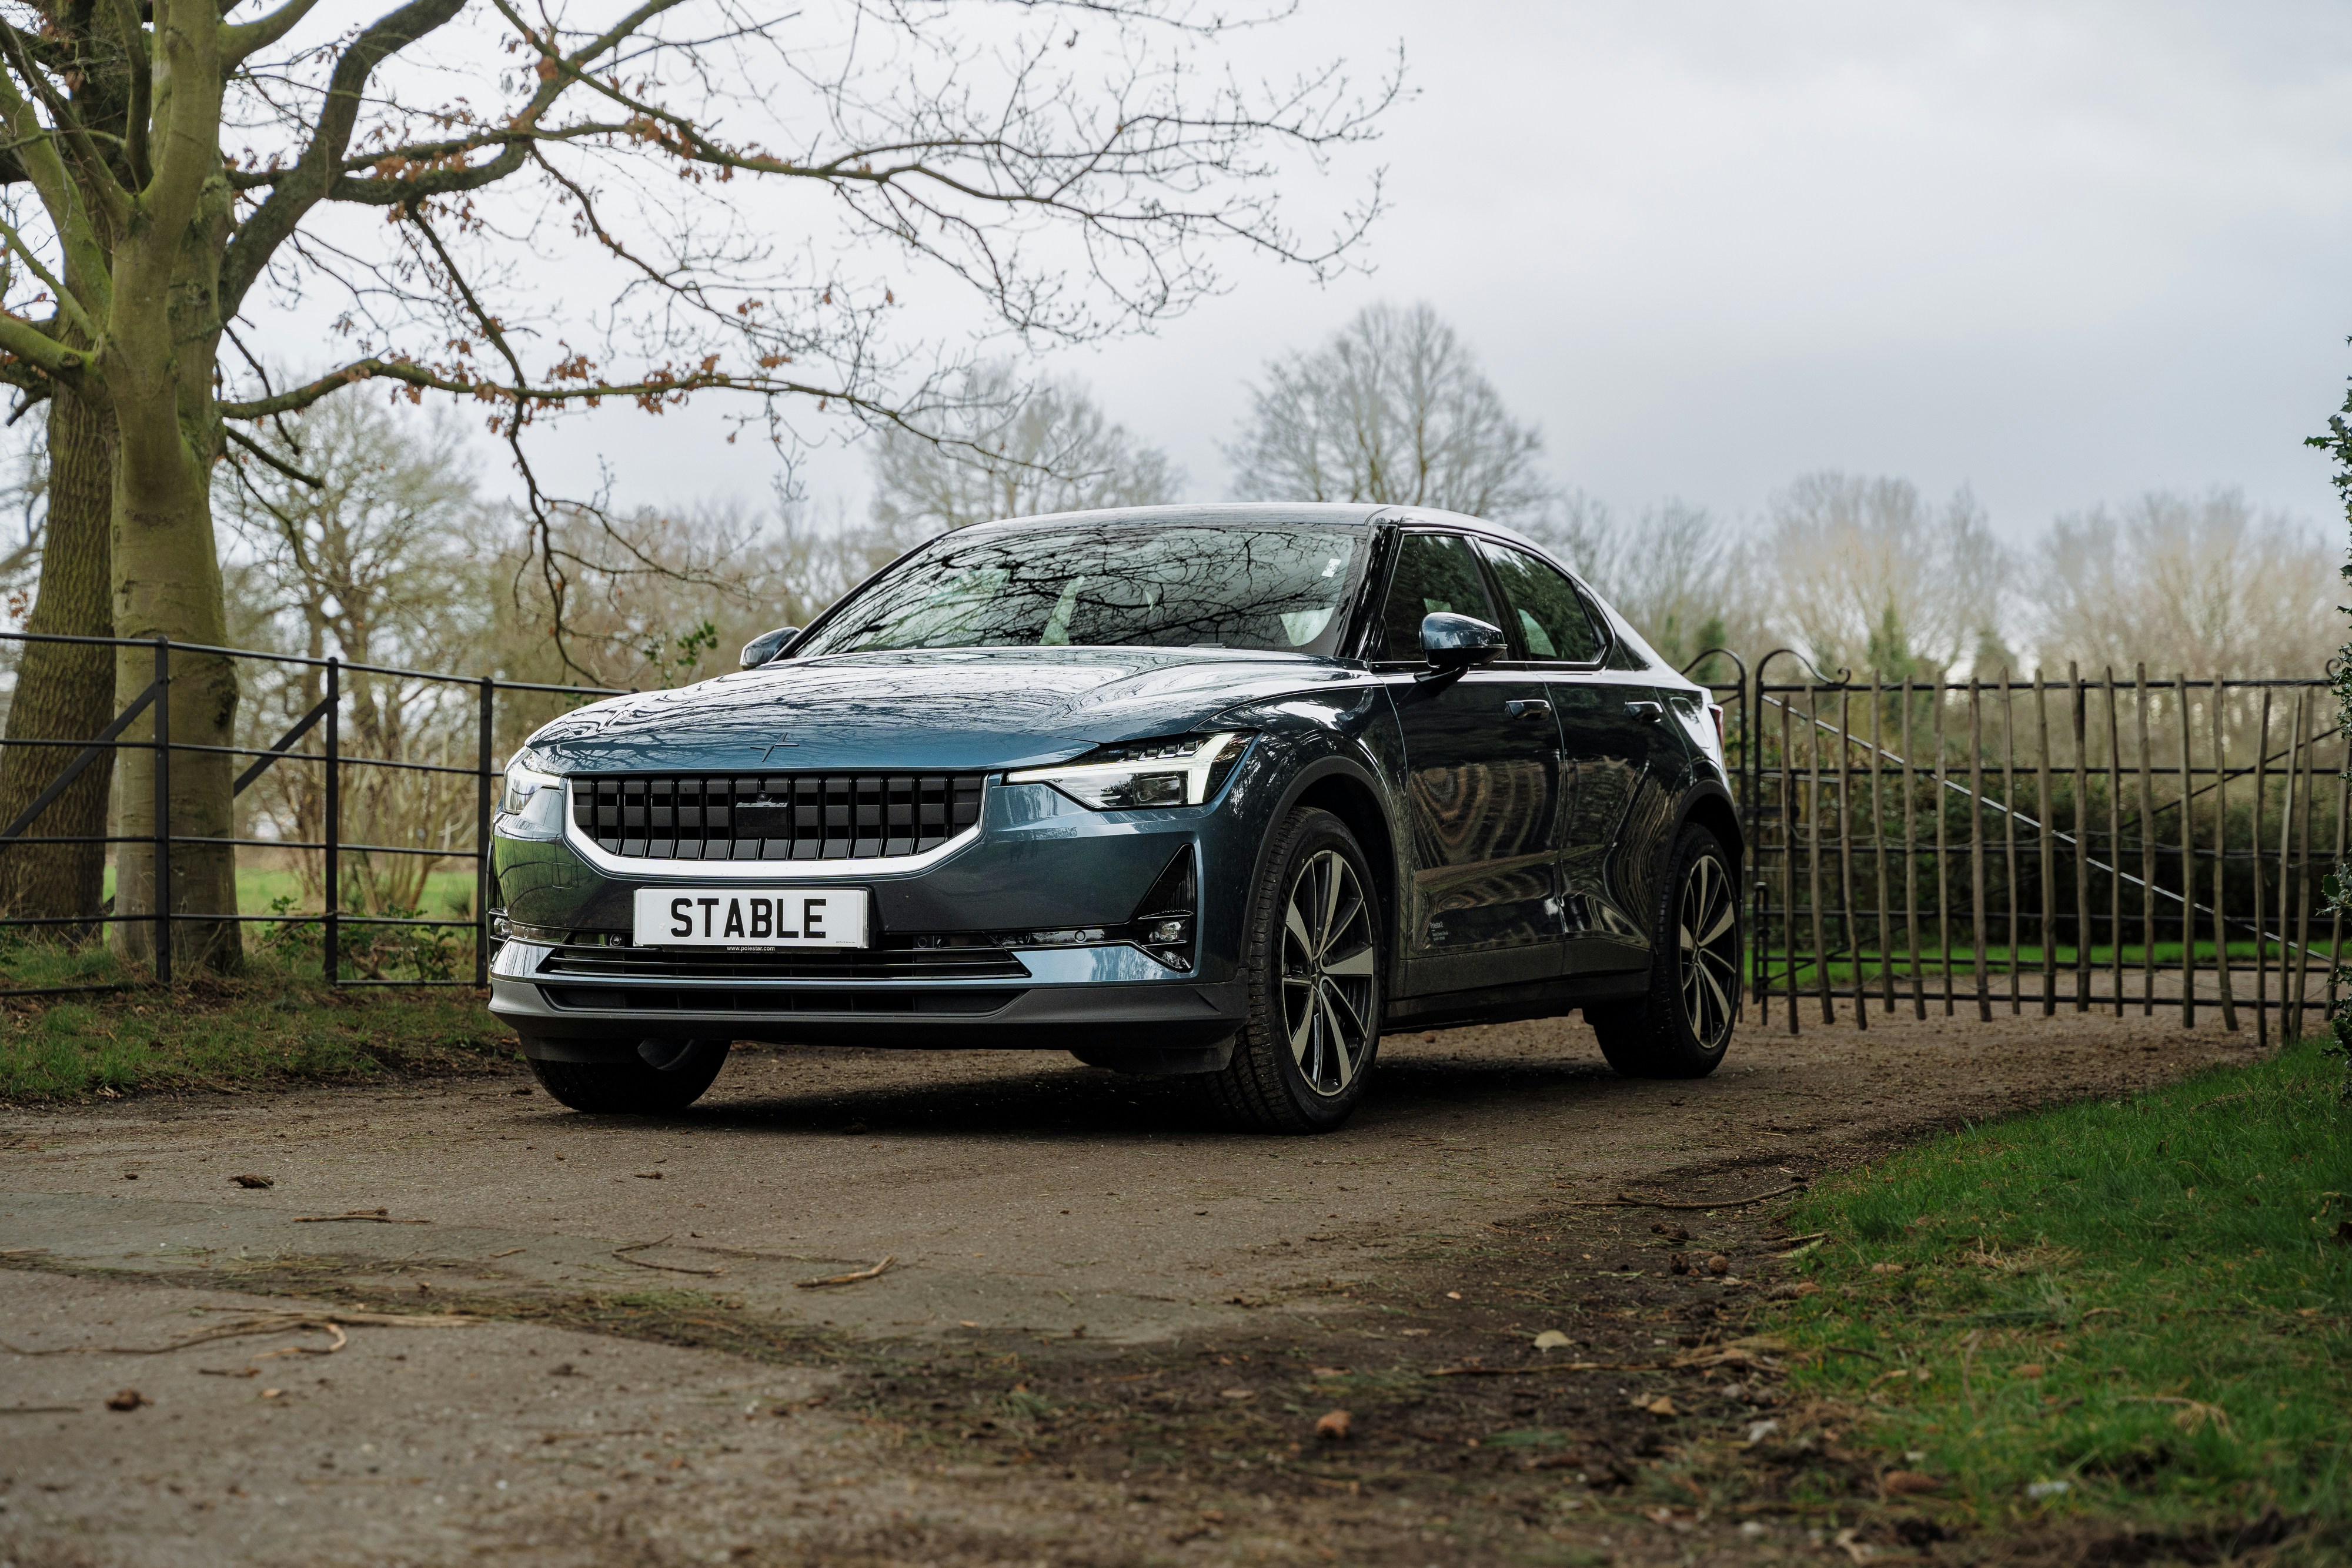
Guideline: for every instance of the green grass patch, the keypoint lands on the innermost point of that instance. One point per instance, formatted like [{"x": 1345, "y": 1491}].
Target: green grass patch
[
  {"x": 259, "y": 889},
  {"x": 2148, "y": 1301},
  {"x": 275, "y": 1024}
]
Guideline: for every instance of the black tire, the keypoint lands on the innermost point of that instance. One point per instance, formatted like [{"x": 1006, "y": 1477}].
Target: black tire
[
  {"x": 1300, "y": 1062},
  {"x": 666, "y": 1075},
  {"x": 1682, "y": 1028}
]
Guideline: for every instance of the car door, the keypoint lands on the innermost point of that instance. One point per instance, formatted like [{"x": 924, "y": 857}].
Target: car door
[
  {"x": 1609, "y": 737},
  {"x": 1481, "y": 766}
]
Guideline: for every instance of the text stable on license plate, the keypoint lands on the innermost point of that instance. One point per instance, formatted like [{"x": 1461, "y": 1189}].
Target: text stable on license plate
[{"x": 750, "y": 917}]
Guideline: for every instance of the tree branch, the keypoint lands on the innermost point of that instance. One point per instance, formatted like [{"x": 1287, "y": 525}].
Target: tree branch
[
  {"x": 29, "y": 343},
  {"x": 142, "y": 66},
  {"x": 247, "y": 38},
  {"x": 98, "y": 179},
  {"x": 250, "y": 444},
  {"x": 67, "y": 303},
  {"x": 306, "y": 184}
]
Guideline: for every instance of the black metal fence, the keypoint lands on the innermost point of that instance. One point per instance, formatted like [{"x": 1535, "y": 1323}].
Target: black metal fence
[
  {"x": 2163, "y": 844},
  {"x": 326, "y": 716}
]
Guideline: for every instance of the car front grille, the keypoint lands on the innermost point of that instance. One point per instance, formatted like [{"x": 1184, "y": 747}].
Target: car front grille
[
  {"x": 776, "y": 817},
  {"x": 902, "y": 963},
  {"x": 944, "y": 1001}
]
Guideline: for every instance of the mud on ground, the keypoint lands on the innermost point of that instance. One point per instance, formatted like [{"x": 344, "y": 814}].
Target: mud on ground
[{"x": 1107, "y": 1334}]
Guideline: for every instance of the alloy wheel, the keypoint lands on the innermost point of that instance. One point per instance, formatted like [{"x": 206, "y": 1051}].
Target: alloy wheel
[
  {"x": 1709, "y": 972},
  {"x": 1330, "y": 969}
]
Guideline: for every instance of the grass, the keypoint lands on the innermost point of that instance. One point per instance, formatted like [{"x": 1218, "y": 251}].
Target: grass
[
  {"x": 275, "y": 1024},
  {"x": 2137, "y": 1307},
  {"x": 259, "y": 887}
]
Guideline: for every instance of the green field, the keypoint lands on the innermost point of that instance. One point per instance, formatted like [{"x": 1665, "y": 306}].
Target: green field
[
  {"x": 2137, "y": 1308},
  {"x": 259, "y": 888}
]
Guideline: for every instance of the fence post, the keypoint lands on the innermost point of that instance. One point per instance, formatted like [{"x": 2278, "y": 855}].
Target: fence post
[
  {"x": 334, "y": 851},
  {"x": 2083, "y": 927},
  {"x": 482, "y": 842},
  {"x": 163, "y": 810},
  {"x": 2255, "y": 870},
  {"x": 2188, "y": 863},
  {"x": 2045, "y": 846},
  {"x": 2221, "y": 857}
]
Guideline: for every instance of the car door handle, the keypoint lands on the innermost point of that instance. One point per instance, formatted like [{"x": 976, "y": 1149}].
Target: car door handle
[
  {"x": 1648, "y": 713},
  {"x": 1527, "y": 707}
]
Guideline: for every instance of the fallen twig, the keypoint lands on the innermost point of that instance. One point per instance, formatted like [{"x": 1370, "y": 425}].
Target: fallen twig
[
  {"x": 1850, "y": 1350},
  {"x": 40, "y": 1409},
  {"x": 846, "y": 1279},
  {"x": 375, "y": 1216},
  {"x": 271, "y": 1322},
  {"x": 1790, "y": 1243},
  {"x": 1551, "y": 1368},
  {"x": 623, "y": 1254},
  {"x": 1627, "y": 1200}
]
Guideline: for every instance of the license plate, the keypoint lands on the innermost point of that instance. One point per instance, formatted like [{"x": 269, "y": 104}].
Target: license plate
[{"x": 750, "y": 917}]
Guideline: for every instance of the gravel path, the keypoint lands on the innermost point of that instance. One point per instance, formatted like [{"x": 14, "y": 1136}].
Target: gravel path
[{"x": 1023, "y": 1200}]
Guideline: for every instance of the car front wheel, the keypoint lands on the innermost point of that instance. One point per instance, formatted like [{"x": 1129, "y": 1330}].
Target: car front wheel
[
  {"x": 1300, "y": 1064},
  {"x": 1681, "y": 1028},
  {"x": 661, "y": 1076}
]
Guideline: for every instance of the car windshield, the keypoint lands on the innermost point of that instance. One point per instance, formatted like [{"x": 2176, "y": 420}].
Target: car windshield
[{"x": 1107, "y": 585}]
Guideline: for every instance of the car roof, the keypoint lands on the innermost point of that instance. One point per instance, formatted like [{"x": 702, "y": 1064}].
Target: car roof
[
  {"x": 1277, "y": 514},
  {"x": 1273, "y": 514}
]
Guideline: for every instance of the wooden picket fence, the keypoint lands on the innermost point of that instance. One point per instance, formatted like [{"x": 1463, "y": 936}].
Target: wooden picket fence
[{"x": 2103, "y": 842}]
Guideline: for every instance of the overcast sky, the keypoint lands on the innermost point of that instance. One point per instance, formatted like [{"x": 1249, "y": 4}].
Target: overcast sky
[{"x": 2060, "y": 254}]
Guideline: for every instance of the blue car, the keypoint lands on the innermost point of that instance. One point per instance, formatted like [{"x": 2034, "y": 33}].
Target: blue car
[{"x": 1221, "y": 791}]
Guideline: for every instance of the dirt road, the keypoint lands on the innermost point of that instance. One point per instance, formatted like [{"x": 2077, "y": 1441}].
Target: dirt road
[{"x": 1104, "y": 1333}]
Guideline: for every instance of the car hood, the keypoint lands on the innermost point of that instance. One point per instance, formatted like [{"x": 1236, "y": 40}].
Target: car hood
[{"x": 952, "y": 708}]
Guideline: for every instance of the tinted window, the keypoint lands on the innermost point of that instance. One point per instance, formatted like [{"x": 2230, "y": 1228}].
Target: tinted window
[
  {"x": 1107, "y": 584},
  {"x": 1547, "y": 613},
  {"x": 1434, "y": 573}
]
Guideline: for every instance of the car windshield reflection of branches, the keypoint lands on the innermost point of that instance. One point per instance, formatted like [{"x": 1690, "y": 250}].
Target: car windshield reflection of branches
[{"x": 1110, "y": 585}]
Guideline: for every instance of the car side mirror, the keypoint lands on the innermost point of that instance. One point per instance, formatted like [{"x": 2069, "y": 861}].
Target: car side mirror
[
  {"x": 767, "y": 645},
  {"x": 1452, "y": 644}
]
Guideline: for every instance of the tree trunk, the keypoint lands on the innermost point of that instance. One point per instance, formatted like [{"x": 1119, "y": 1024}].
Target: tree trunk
[
  {"x": 63, "y": 691},
  {"x": 167, "y": 583}
]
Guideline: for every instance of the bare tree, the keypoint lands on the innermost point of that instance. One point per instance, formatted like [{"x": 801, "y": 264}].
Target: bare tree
[
  {"x": 1862, "y": 573},
  {"x": 1011, "y": 452},
  {"x": 385, "y": 559},
  {"x": 583, "y": 207},
  {"x": 2187, "y": 583},
  {"x": 1392, "y": 409},
  {"x": 1669, "y": 572}
]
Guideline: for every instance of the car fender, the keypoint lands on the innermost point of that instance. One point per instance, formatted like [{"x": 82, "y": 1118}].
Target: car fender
[{"x": 1341, "y": 750}]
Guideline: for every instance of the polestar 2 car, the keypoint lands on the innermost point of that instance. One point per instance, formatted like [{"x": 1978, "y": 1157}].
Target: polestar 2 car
[{"x": 1221, "y": 791}]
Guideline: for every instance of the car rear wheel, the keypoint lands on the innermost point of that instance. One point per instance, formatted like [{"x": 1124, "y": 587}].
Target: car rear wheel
[
  {"x": 1682, "y": 1025},
  {"x": 1315, "y": 938},
  {"x": 664, "y": 1075}
]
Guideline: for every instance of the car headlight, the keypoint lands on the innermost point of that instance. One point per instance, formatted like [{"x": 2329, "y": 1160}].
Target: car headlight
[
  {"x": 531, "y": 807},
  {"x": 1136, "y": 775}
]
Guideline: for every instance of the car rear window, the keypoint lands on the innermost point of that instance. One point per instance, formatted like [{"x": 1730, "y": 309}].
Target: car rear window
[{"x": 1546, "y": 613}]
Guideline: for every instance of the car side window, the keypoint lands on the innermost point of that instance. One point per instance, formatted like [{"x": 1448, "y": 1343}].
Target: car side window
[
  {"x": 1434, "y": 573},
  {"x": 1547, "y": 613}
]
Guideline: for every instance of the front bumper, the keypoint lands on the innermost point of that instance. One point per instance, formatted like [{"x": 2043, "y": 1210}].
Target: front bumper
[
  {"x": 1037, "y": 862},
  {"x": 1070, "y": 998}
]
